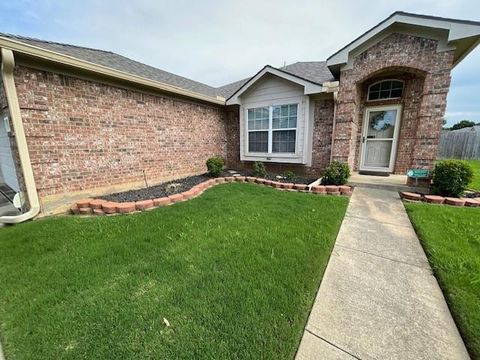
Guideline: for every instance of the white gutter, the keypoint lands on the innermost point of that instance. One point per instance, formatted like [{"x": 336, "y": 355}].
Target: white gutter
[{"x": 8, "y": 64}]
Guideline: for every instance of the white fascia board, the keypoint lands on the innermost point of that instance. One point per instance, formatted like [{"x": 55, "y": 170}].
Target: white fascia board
[
  {"x": 309, "y": 87},
  {"x": 456, "y": 31}
]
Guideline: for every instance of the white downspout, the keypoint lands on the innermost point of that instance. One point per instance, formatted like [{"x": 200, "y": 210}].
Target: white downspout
[{"x": 8, "y": 64}]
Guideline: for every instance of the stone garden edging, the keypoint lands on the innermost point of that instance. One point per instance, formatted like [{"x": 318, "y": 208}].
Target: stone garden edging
[
  {"x": 436, "y": 199},
  {"x": 105, "y": 207}
]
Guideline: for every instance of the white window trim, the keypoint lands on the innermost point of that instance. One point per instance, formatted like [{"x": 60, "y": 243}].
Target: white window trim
[
  {"x": 385, "y": 99},
  {"x": 271, "y": 130},
  {"x": 303, "y": 138}
]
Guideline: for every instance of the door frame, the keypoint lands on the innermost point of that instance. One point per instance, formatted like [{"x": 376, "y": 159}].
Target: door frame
[{"x": 396, "y": 132}]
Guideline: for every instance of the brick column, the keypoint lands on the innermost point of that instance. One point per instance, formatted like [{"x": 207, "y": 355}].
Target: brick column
[
  {"x": 346, "y": 121},
  {"x": 430, "y": 115}
]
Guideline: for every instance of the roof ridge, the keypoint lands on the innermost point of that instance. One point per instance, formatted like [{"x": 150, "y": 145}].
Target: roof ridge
[{"x": 20, "y": 37}]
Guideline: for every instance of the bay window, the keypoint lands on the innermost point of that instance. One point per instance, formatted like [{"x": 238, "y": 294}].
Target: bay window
[{"x": 272, "y": 129}]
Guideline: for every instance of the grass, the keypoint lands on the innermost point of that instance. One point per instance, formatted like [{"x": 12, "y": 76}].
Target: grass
[
  {"x": 233, "y": 273},
  {"x": 475, "y": 164},
  {"x": 451, "y": 239}
]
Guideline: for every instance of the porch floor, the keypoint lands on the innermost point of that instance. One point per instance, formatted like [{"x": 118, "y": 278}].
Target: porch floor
[{"x": 393, "y": 182}]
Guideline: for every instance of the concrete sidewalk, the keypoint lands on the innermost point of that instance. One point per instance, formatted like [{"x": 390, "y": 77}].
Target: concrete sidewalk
[{"x": 378, "y": 298}]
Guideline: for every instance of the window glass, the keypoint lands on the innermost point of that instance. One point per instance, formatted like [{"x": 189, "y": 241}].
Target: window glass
[
  {"x": 258, "y": 141},
  {"x": 387, "y": 89},
  {"x": 283, "y": 141},
  {"x": 283, "y": 130}
]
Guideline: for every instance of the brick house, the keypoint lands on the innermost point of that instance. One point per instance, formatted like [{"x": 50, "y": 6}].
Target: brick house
[{"x": 82, "y": 122}]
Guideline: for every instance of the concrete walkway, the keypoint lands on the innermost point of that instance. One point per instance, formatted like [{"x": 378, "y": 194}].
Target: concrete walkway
[{"x": 378, "y": 298}]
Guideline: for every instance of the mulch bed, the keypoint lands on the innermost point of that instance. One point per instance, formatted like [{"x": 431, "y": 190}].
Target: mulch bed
[
  {"x": 158, "y": 191},
  {"x": 180, "y": 185},
  {"x": 298, "y": 179}
]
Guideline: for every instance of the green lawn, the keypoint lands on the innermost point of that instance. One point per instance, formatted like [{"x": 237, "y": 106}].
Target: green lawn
[
  {"x": 451, "y": 239},
  {"x": 234, "y": 273},
  {"x": 475, "y": 184}
]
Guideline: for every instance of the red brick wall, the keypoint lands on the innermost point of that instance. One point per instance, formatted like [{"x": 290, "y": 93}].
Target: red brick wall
[
  {"x": 85, "y": 135},
  {"x": 425, "y": 107},
  {"x": 322, "y": 136}
]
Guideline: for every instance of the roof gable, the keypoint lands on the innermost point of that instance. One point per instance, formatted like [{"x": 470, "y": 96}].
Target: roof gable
[
  {"x": 461, "y": 35},
  {"x": 309, "y": 86}
]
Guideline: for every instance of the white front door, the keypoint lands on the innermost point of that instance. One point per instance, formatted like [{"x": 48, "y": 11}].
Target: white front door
[{"x": 379, "y": 138}]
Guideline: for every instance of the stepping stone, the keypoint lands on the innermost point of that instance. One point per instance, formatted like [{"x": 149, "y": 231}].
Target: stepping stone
[
  {"x": 454, "y": 201},
  {"x": 176, "y": 197},
  {"x": 144, "y": 204},
  {"x": 97, "y": 203},
  {"x": 434, "y": 199},
  {"x": 127, "y": 207},
  {"x": 98, "y": 212},
  {"x": 344, "y": 189},
  {"x": 319, "y": 189},
  {"x": 470, "y": 202},
  {"x": 301, "y": 187},
  {"x": 85, "y": 211},
  {"x": 109, "y": 207},
  {"x": 288, "y": 185},
  {"x": 83, "y": 203},
  {"x": 331, "y": 189},
  {"x": 162, "y": 201},
  {"x": 410, "y": 196}
]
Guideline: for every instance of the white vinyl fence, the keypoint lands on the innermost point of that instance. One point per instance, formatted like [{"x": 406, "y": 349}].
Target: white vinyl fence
[{"x": 460, "y": 144}]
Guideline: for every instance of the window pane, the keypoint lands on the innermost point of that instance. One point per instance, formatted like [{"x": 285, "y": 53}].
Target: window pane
[
  {"x": 276, "y": 111},
  {"x": 284, "y": 111},
  {"x": 387, "y": 89},
  {"x": 258, "y": 141},
  {"x": 251, "y": 124},
  {"x": 396, "y": 93},
  {"x": 293, "y": 110},
  {"x": 276, "y": 123},
  {"x": 284, "y": 141},
  {"x": 292, "y": 122},
  {"x": 384, "y": 94}
]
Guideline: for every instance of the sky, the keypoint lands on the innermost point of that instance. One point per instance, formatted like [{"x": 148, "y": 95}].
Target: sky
[{"x": 218, "y": 42}]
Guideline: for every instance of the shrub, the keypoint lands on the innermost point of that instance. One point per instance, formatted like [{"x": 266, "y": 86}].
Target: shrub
[
  {"x": 215, "y": 166},
  {"x": 451, "y": 177},
  {"x": 259, "y": 169},
  {"x": 289, "y": 175},
  {"x": 337, "y": 173}
]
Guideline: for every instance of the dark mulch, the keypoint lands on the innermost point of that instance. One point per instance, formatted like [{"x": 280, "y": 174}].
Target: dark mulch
[
  {"x": 162, "y": 190},
  {"x": 298, "y": 179},
  {"x": 157, "y": 191}
]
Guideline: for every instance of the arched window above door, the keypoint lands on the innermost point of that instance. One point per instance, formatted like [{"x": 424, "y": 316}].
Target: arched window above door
[{"x": 385, "y": 89}]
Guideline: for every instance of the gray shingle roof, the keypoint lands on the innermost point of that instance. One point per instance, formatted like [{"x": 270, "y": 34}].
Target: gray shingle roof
[
  {"x": 118, "y": 62},
  {"x": 315, "y": 71}
]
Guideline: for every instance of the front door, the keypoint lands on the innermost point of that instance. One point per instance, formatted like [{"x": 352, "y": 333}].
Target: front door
[{"x": 379, "y": 139}]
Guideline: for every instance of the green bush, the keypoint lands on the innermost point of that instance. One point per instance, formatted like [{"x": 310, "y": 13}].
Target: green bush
[
  {"x": 451, "y": 177},
  {"x": 215, "y": 166},
  {"x": 259, "y": 169},
  {"x": 289, "y": 175},
  {"x": 337, "y": 173}
]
